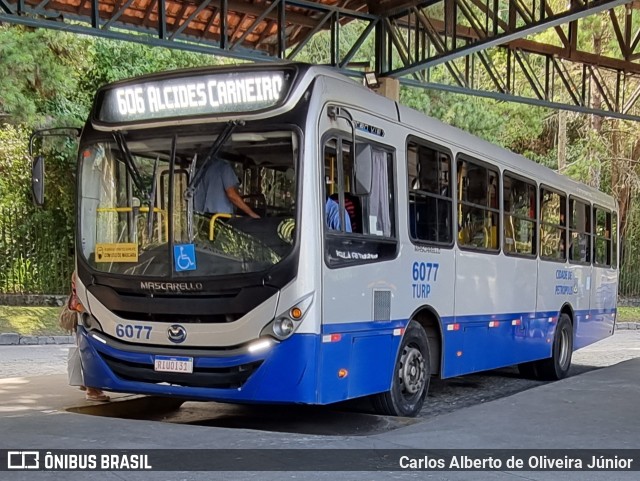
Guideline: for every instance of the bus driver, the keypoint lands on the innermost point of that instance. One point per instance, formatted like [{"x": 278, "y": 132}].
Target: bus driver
[{"x": 218, "y": 191}]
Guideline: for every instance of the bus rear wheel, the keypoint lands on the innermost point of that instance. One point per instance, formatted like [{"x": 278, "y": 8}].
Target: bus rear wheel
[
  {"x": 557, "y": 366},
  {"x": 411, "y": 375}
]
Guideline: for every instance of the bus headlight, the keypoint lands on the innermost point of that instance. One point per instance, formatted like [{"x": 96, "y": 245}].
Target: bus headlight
[
  {"x": 283, "y": 327},
  {"x": 90, "y": 323},
  {"x": 286, "y": 323}
]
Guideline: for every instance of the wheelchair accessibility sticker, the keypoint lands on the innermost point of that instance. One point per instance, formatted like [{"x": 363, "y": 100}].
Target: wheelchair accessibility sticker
[{"x": 184, "y": 257}]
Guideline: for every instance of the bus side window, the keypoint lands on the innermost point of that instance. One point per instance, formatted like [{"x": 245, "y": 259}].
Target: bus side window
[
  {"x": 553, "y": 225},
  {"x": 519, "y": 216},
  {"x": 430, "y": 197},
  {"x": 478, "y": 201},
  {"x": 602, "y": 235},
  {"x": 337, "y": 169},
  {"x": 579, "y": 231},
  {"x": 371, "y": 213},
  {"x": 614, "y": 236}
]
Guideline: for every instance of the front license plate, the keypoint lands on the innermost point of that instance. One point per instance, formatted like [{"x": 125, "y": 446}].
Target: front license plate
[{"x": 173, "y": 364}]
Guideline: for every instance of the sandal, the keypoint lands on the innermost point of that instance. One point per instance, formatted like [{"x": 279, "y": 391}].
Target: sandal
[{"x": 98, "y": 397}]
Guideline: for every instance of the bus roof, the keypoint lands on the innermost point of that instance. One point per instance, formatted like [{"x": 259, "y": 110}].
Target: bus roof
[{"x": 302, "y": 75}]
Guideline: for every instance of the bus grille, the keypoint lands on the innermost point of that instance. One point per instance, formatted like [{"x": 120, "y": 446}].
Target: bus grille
[
  {"x": 182, "y": 319},
  {"x": 221, "y": 378}
]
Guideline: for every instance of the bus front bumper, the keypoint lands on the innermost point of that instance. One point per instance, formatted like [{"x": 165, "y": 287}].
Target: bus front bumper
[{"x": 280, "y": 373}]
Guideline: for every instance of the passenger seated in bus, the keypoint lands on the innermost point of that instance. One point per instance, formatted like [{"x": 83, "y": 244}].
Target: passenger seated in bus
[
  {"x": 353, "y": 208},
  {"x": 218, "y": 191},
  {"x": 332, "y": 216}
]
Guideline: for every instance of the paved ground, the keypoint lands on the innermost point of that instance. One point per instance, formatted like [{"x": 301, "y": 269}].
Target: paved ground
[
  {"x": 16, "y": 361},
  {"x": 593, "y": 409},
  {"x": 445, "y": 396}
]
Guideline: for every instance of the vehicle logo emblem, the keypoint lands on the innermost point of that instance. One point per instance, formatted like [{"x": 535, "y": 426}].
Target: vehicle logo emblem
[{"x": 177, "y": 333}]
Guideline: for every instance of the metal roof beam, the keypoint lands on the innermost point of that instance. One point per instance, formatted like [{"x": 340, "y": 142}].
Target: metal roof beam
[
  {"x": 572, "y": 14},
  {"x": 322, "y": 7},
  {"x": 204, "y": 4},
  {"x": 5, "y": 7},
  {"x": 255, "y": 23},
  {"x": 117, "y": 14},
  {"x": 305, "y": 41},
  {"x": 358, "y": 43},
  {"x": 191, "y": 46},
  {"x": 515, "y": 98}
]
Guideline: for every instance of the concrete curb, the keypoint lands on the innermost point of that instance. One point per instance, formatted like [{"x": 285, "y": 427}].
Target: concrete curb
[
  {"x": 634, "y": 326},
  {"x": 14, "y": 339}
]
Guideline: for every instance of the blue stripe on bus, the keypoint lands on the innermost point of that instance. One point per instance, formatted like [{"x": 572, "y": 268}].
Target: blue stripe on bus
[
  {"x": 474, "y": 346},
  {"x": 371, "y": 326},
  {"x": 360, "y": 362}
]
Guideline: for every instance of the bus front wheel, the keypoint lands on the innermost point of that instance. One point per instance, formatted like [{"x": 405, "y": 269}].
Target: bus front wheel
[{"x": 411, "y": 375}]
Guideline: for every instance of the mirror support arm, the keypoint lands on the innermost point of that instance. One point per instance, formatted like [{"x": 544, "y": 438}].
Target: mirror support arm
[{"x": 334, "y": 112}]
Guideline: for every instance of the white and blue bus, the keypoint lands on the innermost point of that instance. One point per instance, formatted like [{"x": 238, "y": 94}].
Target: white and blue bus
[{"x": 452, "y": 255}]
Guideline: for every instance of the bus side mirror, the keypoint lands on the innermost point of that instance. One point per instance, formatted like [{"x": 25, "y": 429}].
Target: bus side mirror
[
  {"x": 363, "y": 169},
  {"x": 37, "y": 180},
  {"x": 37, "y": 164}
]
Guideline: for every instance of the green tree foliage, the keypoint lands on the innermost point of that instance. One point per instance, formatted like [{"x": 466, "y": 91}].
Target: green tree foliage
[
  {"x": 35, "y": 244},
  {"x": 38, "y": 76},
  {"x": 113, "y": 60},
  {"x": 49, "y": 78}
]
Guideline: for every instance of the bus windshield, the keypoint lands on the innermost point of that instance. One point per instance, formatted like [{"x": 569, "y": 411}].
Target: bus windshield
[{"x": 141, "y": 214}]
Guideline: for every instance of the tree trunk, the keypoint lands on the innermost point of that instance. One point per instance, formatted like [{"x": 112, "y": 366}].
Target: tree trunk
[{"x": 562, "y": 140}]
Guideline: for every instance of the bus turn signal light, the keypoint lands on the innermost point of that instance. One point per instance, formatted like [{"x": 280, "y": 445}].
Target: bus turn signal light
[
  {"x": 296, "y": 313},
  {"x": 342, "y": 373}
]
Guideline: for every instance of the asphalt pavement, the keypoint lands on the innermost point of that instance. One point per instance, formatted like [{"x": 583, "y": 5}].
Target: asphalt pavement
[{"x": 594, "y": 409}]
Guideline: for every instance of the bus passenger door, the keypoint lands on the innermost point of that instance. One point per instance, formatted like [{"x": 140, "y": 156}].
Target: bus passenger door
[{"x": 359, "y": 246}]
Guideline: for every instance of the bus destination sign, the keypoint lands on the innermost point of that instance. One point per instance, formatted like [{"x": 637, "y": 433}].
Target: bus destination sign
[{"x": 207, "y": 94}]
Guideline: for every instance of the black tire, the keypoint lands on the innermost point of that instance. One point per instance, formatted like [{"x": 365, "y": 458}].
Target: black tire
[
  {"x": 557, "y": 366},
  {"x": 411, "y": 376}
]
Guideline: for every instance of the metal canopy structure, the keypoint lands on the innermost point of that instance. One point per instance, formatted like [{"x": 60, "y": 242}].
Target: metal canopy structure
[{"x": 519, "y": 50}]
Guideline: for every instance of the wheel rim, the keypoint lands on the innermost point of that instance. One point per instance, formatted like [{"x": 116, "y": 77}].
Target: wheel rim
[
  {"x": 411, "y": 372},
  {"x": 563, "y": 355}
]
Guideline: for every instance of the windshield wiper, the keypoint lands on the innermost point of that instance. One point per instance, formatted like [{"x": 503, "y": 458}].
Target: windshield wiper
[
  {"x": 132, "y": 168},
  {"x": 192, "y": 169},
  {"x": 215, "y": 148},
  {"x": 129, "y": 162}
]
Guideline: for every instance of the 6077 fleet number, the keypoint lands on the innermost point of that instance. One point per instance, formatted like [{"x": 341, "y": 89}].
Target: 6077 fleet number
[{"x": 133, "y": 331}]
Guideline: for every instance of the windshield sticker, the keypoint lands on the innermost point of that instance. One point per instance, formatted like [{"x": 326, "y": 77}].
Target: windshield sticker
[
  {"x": 184, "y": 257},
  {"x": 122, "y": 252}
]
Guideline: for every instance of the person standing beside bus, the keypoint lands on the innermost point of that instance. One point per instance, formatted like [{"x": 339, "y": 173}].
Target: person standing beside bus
[{"x": 68, "y": 320}]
